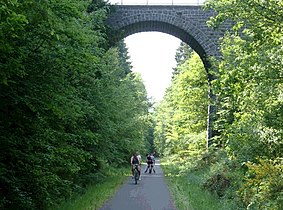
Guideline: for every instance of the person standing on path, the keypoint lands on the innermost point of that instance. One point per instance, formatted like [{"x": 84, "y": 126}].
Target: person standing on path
[{"x": 149, "y": 162}]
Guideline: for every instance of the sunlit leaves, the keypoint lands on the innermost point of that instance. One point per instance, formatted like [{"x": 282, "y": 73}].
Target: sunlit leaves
[
  {"x": 182, "y": 114},
  {"x": 249, "y": 91},
  {"x": 263, "y": 188}
]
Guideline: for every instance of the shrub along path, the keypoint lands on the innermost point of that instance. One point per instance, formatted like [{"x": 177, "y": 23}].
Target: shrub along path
[{"x": 151, "y": 193}]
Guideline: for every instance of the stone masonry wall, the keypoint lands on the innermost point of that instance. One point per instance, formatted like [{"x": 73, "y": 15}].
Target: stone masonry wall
[{"x": 187, "y": 23}]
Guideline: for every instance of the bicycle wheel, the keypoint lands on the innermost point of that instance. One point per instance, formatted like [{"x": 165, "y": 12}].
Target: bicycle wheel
[{"x": 136, "y": 175}]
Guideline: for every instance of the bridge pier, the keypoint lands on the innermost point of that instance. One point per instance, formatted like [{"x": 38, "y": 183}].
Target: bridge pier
[{"x": 211, "y": 117}]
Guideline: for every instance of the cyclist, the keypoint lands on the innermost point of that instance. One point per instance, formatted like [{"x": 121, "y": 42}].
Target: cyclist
[
  {"x": 149, "y": 164},
  {"x": 135, "y": 160}
]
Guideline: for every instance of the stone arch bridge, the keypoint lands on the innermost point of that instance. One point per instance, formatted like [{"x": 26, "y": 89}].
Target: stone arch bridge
[{"x": 188, "y": 23}]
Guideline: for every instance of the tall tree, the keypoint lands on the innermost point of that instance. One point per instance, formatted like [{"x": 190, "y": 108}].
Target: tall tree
[
  {"x": 68, "y": 108},
  {"x": 182, "y": 113},
  {"x": 250, "y": 95},
  {"x": 183, "y": 52},
  {"x": 250, "y": 80}
]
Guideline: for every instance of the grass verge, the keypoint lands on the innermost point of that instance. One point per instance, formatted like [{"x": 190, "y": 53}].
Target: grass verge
[
  {"x": 186, "y": 186},
  {"x": 96, "y": 195}
]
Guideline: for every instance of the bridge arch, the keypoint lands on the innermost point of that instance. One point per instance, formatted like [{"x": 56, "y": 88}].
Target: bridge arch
[
  {"x": 159, "y": 26},
  {"x": 188, "y": 23}
]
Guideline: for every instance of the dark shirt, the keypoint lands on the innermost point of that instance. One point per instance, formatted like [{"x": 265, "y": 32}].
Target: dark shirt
[{"x": 135, "y": 160}]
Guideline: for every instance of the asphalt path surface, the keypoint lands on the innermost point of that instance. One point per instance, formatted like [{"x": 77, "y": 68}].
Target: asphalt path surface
[{"x": 151, "y": 193}]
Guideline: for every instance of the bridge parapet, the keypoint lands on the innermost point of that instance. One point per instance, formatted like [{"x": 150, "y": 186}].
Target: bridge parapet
[{"x": 157, "y": 2}]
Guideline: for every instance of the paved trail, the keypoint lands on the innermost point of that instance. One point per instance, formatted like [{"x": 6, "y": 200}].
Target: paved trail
[{"x": 151, "y": 193}]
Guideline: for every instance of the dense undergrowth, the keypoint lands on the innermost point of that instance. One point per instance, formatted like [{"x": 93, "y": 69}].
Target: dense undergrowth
[{"x": 216, "y": 182}]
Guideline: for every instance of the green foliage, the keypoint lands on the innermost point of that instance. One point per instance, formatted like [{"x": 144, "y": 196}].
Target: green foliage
[
  {"x": 181, "y": 117},
  {"x": 249, "y": 87},
  {"x": 264, "y": 185},
  {"x": 68, "y": 108},
  {"x": 249, "y": 91},
  {"x": 13, "y": 24},
  {"x": 183, "y": 52},
  {"x": 218, "y": 183},
  {"x": 192, "y": 181}
]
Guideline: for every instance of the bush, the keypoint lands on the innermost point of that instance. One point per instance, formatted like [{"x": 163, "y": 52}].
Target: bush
[
  {"x": 264, "y": 185},
  {"x": 218, "y": 183}
]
